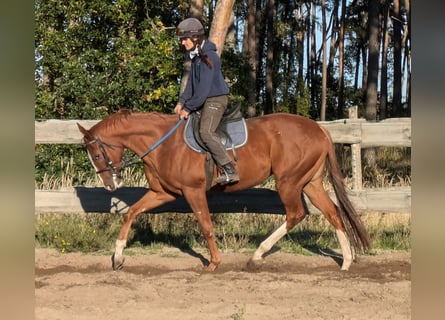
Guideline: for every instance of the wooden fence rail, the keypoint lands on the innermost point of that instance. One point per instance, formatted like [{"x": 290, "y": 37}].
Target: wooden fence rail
[{"x": 356, "y": 132}]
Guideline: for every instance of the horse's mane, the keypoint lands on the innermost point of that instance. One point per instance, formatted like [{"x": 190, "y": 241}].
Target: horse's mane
[{"x": 116, "y": 119}]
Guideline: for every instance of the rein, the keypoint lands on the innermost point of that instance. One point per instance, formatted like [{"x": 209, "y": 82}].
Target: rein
[
  {"x": 130, "y": 162},
  {"x": 162, "y": 139}
]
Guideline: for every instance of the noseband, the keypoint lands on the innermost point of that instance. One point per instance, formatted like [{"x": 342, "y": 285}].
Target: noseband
[{"x": 110, "y": 167}]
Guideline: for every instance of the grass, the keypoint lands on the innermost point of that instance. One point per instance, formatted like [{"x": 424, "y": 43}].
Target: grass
[
  {"x": 76, "y": 232},
  {"x": 95, "y": 232},
  {"x": 239, "y": 315},
  {"x": 234, "y": 232}
]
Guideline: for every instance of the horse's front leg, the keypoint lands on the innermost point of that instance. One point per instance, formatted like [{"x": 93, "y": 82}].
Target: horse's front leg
[
  {"x": 149, "y": 201},
  {"x": 198, "y": 202}
]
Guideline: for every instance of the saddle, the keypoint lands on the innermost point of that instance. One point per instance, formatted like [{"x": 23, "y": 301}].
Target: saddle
[{"x": 232, "y": 130}]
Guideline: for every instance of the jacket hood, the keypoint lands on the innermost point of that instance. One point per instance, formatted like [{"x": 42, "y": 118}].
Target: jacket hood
[{"x": 208, "y": 46}]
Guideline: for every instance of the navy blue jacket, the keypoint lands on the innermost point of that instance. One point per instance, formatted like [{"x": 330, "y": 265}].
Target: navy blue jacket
[{"x": 203, "y": 82}]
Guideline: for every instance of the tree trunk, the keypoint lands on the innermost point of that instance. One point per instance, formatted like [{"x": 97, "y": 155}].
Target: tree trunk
[
  {"x": 307, "y": 24},
  {"x": 300, "y": 25},
  {"x": 313, "y": 62},
  {"x": 269, "y": 105},
  {"x": 196, "y": 9},
  {"x": 364, "y": 67},
  {"x": 324, "y": 66},
  {"x": 300, "y": 43},
  {"x": 220, "y": 23},
  {"x": 406, "y": 41},
  {"x": 341, "y": 62},
  {"x": 334, "y": 35},
  {"x": 373, "y": 70},
  {"x": 260, "y": 45},
  {"x": 373, "y": 60},
  {"x": 335, "y": 40},
  {"x": 397, "y": 37},
  {"x": 251, "y": 50},
  {"x": 357, "y": 68},
  {"x": 383, "y": 114}
]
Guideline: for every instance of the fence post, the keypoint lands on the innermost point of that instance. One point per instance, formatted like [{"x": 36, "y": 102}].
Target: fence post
[{"x": 356, "y": 157}]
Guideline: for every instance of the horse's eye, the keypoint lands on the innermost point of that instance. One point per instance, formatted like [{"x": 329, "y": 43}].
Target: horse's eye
[{"x": 96, "y": 157}]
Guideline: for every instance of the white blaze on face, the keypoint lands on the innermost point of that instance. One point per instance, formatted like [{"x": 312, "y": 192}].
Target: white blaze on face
[
  {"x": 92, "y": 162},
  {"x": 117, "y": 180}
]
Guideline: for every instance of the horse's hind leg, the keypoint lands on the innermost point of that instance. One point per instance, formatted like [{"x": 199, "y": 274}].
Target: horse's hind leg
[
  {"x": 267, "y": 244},
  {"x": 295, "y": 212},
  {"x": 320, "y": 199}
]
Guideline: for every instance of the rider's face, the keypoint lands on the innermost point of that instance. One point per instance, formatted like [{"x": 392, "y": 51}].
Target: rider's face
[{"x": 187, "y": 43}]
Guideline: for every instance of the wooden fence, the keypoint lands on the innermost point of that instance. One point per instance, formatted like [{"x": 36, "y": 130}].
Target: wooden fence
[{"x": 356, "y": 132}]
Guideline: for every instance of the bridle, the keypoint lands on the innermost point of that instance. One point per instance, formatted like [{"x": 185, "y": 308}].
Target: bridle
[{"x": 115, "y": 170}]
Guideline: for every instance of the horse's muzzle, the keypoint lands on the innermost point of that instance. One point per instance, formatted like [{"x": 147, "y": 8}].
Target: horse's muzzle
[{"x": 117, "y": 183}]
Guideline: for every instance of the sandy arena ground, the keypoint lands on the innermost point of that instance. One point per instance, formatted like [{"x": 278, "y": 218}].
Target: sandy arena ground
[{"x": 171, "y": 284}]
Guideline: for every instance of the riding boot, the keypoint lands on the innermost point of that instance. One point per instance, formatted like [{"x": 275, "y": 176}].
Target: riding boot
[{"x": 229, "y": 174}]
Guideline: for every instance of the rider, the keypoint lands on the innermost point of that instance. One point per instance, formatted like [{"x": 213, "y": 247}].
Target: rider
[{"x": 206, "y": 91}]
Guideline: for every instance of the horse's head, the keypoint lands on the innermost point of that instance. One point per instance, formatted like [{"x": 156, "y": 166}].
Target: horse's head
[{"x": 105, "y": 157}]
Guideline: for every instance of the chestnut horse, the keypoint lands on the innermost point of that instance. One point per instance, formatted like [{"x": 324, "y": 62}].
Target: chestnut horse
[{"x": 294, "y": 149}]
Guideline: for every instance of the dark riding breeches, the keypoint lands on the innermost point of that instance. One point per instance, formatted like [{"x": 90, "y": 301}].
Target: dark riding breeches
[{"x": 211, "y": 115}]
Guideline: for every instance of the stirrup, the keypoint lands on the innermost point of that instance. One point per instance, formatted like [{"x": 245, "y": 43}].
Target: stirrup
[
  {"x": 223, "y": 179},
  {"x": 227, "y": 177}
]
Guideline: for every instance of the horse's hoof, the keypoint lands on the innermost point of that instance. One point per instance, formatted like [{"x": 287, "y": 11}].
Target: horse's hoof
[
  {"x": 117, "y": 262},
  {"x": 211, "y": 267},
  {"x": 255, "y": 264},
  {"x": 346, "y": 264}
]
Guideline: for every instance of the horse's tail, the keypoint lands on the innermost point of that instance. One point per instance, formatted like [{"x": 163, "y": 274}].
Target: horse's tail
[{"x": 354, "y": 227}]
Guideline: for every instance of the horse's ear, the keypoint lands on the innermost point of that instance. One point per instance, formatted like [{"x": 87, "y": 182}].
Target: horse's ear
[{"x": 84, "y": 131}]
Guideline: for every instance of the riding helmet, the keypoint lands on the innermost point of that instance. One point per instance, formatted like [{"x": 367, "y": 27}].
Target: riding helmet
[{"x": 189, "y": 27}]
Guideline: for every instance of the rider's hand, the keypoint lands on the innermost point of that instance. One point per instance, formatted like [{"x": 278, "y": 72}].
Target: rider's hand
[
  {"x": 178, "y": 109},
  {"x": 184, "y": 114}
]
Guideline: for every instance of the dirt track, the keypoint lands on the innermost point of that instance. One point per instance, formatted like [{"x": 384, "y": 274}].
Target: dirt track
[{"x": 172, "y": 285}]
